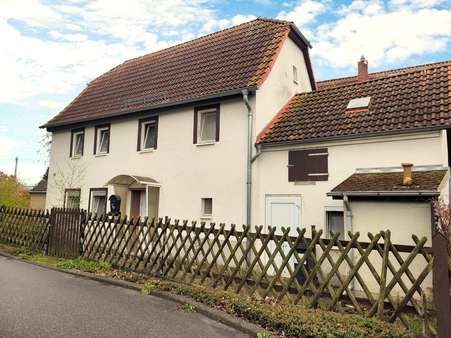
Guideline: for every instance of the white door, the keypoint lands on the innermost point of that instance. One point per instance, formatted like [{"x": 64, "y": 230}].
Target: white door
[{"x": 284, "y": 211}]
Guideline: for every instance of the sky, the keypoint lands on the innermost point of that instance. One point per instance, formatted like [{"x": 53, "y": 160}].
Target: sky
[{"x": 50, "y": 49}]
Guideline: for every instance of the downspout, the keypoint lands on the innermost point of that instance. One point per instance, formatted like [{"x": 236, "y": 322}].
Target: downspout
[
  {"x": 250, "y": 117},
  {"x": 348, "y": 226},
  {"x": 348, "y": 213}
]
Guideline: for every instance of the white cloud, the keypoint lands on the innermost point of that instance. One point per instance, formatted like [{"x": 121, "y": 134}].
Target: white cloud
[
  {"x": 304, "y": 13},
  {"x": 215, "y": 24},
  {"x": 50, "y": 104},
  {"x": 87, "y": 39},
  {"x": 7, "y": 145},
  {"x": 383, "y": 33}
]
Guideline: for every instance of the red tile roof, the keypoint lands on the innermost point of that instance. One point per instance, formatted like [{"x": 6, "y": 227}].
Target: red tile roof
[
  {"x": 232, "y": 59},
  {"x": 371, "y": 76},
  {"x": 401, "y": 101},
  {"x": 423, "y": 181}
]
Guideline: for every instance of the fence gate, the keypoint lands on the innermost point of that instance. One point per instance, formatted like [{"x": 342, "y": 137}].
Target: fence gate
[{"x": 65, "y": 232}]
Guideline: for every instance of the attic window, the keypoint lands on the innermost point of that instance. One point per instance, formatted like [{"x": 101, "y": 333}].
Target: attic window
[{"x": 358, "y": 105}]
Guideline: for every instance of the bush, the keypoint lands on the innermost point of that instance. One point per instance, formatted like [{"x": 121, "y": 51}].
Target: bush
[
  {"x": 84, "y": 265},
  {"x": 288, "y": 320}
]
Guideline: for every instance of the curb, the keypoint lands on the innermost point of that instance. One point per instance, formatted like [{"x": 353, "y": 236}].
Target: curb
[{"x": 212, "y": 313}]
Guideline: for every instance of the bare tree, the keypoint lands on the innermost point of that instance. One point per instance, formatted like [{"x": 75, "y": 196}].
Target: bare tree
[
  {"x": 46, "y": 145},
  {"x": 442, "y": 211},
  {"x": 70, "y": 176}
]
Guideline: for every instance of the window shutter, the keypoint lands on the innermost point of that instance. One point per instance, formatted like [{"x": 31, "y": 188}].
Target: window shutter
[
  {"x": 308, "y": 165},
  {"x": 96, "y": 130},
  {"x": 138, "y": 145},
  {"x": 317, "y": 164},
  {"x": 71, "y": 143},
  {"x": 156, "y": 132},
  {"x": 83, "y": 143},
  {"x": 195, "y": 126},
  {"x": 217, "y": 124}
]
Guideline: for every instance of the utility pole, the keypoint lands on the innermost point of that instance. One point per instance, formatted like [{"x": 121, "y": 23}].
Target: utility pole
[
  {"x": 15, "y": 168},
  {"x": 15, "y": 176}
]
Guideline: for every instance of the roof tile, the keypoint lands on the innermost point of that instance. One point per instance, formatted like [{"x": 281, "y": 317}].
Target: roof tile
[
  {"x": 401, "y": 101},
  {"x": 231, "y": 59}
]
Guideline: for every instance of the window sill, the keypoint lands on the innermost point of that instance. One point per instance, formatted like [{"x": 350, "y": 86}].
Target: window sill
[
  {"x": 206, "y": 143},
  {"x": 205, "y": 217},
  {"x": 101, "y": 154},
  {"x": 144, "y": 151},
  {"x": 305, "y": 182},
  {"x": 76, "y": 157}
]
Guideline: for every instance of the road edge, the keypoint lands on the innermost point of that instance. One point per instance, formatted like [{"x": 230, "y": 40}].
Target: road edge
[{"x": 212, "y": 313}]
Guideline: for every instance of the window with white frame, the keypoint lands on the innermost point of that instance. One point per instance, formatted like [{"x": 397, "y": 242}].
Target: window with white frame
[
  {"x": 295, "y": 74},
  {"x": 148, "y": 133},
  {"x": 206, "y": 124},
  {"x": 102, "y": 140},
  {"x": 335, "y": 223},
  {"x": 72, "y": 198},
  {"x": 77, "y": 143},
  {"x": 98, "y": 201},
  {"x": 207, "y": 207}
]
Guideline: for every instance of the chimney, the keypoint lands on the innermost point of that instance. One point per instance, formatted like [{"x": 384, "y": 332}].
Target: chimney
[
  {"x": 362, "y": 68},
  {"x": 407, "y": 175}
]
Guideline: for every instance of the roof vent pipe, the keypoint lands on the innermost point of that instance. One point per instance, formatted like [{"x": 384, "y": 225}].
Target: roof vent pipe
[
  {"x": 362, "y": 68},
  {"x": 407, "y": 174}
]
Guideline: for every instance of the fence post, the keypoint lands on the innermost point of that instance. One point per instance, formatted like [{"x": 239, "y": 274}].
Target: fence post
[
  {"x": 380, "y": 303},
  {"x": 440, "y": 284}
]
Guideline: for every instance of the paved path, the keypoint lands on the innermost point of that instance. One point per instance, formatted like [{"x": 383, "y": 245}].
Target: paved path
[{"x": 36, "y": 302}]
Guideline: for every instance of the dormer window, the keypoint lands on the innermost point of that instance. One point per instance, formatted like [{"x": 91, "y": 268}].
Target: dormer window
[
  {"x": 148, "y": 134},
  {"x": 102, "y": 139},
  {"x": 77, "y": 143},
  {"x": 358, "y": 105}
]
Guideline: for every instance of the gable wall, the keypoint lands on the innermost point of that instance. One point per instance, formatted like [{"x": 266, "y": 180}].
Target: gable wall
[{"x": 279, "y": 87}]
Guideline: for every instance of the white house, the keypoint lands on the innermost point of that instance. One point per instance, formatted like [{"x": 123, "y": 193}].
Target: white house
[{"x": 232, "y": 127}]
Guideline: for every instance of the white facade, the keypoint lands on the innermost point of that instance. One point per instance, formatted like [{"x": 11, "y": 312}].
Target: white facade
[
  {"x": 185, "y": 172},
  {"x": 271, "y": 172}
]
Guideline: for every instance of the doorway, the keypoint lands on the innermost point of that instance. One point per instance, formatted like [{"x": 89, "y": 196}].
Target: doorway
[{"x": 284, "y": 211}]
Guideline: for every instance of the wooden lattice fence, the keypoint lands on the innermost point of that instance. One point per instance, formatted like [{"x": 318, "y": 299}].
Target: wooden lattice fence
[
  {"x": 373, "y": 277},
  {"x": 24, "y": 227}
]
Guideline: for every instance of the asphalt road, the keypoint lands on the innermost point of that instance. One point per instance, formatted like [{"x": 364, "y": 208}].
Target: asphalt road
[{"x": 36, "y": 302}]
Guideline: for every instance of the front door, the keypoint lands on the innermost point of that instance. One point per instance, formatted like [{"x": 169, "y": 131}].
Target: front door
[
  {"x": 135, "y": 204},
  {"x": 284, "y": 211}
]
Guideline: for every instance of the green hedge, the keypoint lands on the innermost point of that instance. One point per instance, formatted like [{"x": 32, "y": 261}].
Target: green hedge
[{"x": 289, "y": 320}]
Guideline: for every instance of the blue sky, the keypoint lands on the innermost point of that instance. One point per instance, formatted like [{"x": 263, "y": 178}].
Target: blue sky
[{"x": 50, "y": 50}]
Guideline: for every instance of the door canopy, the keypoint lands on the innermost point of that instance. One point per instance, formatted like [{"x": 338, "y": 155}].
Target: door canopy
[{"x": 133, "y": 180}]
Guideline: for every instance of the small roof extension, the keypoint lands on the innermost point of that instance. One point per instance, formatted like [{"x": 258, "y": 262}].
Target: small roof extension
[{"x": 425, "y": 183}]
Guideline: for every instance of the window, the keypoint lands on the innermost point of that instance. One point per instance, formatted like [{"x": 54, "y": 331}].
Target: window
[
  {"x": 308, "y": 165},
  {"x": 335, "y": 223},
  {"x": 148, "y": 134},
  {"x": 359, "y": 103},
  {"x": 102, "y": 139},
  {"x": 72, "y": 198},
  {"x": 77, "y": 143},
  {"x": 295, "y": 74},
  {"x": 98, "y": 201},
  {"x": 207, "y": 207},
  {"x": 206, "y": 124}
]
